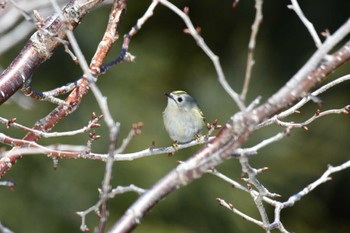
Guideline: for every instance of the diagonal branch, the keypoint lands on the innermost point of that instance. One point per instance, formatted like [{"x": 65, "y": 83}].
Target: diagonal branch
[
  {"x": 237, "y": 130},
  {"x": 251, "y": 47},
  {"x": 41, "y": 46},
  {"x": 75, "y": 97},
  {"x": 310, "y": 27},
  {"x": 213, "y": 57}
]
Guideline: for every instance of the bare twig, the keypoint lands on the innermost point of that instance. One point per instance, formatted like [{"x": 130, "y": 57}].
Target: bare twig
[
  {"x": 248, "y": 152},
  {"x": 279, "y": 206},
  {"x": 28, "y": 91},
  {"x": 251, "y": 47},
  {"x": 136, "y": 130},
  {"x": 310, "y": 27},
  {"x": 213, "y": 57},
  {"x": 78, "y": 151},
  {"x": 241, "y": 214},
  {"x": 318, "y": 114},
  {"x": 41, "y": 46},
  {"x": 113, "y": 127},
  {"x": 7, "y": 183},
  {"x": 12, "y": 123},
  {"x": 157, "y": 151},
  {"x": 8, "y": 156},
  {"x": 237, "y": 130},
  {"x": 127, "y": 38},
  {"x": 229, "y": 140},
  {"x": 75, "y": 97},
  {"x": 96, "y": 208},
  {"x": 324, "y": 178},
  {"x": 50, "y": 95},
  {"x": 262, "y": 191},
  {"x": 237, "y": 185},
  {"x": 304, "y": 100},
  {"x": 4, "y": 229}
]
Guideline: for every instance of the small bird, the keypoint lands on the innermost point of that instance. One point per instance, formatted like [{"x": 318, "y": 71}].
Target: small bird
[{"x": 183, "y": 120}]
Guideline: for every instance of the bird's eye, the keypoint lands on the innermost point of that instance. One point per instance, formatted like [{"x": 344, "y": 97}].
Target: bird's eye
[{"x": 179, "y": 99}]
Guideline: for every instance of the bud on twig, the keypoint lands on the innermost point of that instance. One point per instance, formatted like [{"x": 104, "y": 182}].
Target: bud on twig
[
  {"x": 95, "y": 125},
  {"x": 208, "y": 126},
  {"x": 186, "y": 10},
  {"x": 318, "y": 111},
  {"x": 304, "y": 127},
  {"x": 137, "y": 127},
  {"x": 11, "y": 121}
]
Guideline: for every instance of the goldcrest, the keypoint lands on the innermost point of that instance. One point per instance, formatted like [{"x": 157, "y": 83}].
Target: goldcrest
[{"x": 183, "y": 120}]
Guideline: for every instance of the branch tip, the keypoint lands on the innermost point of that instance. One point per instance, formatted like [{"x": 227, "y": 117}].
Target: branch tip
[
  {"x": 186, "y": 10},
  {"x": 137, "y": 127},
  {"x": 318, "y": 111},
  {"x": 346, "y": 109},
  {"x": 10, "y": 121},
  {"x": 304, "y": 127},
  {"x": 208, "y": 126},
  {"x": 235, "y": 3}
]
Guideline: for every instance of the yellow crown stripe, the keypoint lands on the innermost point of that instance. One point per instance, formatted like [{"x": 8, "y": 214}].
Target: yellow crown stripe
[{"x": 179, "y": 92}]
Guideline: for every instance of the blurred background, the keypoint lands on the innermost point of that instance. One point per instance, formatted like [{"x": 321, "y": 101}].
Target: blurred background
[{"x": 45, "y": 200}]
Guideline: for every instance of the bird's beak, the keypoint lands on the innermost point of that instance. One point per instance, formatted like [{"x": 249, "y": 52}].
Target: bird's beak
[{"x": 169, "y": 96}]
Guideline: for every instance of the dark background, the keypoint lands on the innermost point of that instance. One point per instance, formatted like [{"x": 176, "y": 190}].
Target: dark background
[{"x": 45, "y": 200}]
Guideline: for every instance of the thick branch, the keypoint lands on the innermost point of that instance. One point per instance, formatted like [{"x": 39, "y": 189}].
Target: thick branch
[
  {"x": 237, "y": 130},
  {"x": 300, "y": 86},
  {"x": 40, "y": 47},
  {"x": 75, "y": 97}
]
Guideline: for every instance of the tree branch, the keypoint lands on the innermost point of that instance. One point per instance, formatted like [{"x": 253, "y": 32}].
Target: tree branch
[
  {"x": 237, "y": 130},
  {"x": 251, "y": 47},
  {"x": 75, "y": 97},
  {"x": 41, "y": 46},
  {"x": 310, "y": 27}
]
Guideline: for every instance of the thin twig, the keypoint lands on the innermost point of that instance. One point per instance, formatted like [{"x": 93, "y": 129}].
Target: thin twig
[
  {"x": 310, "y": 27},
  {"x": 279, "y": 206},
  {"x": 4, "y": 229},
  {"x": 262, "y": 191},
  {"x": 96, "y": 208},
  {"x": 213, "y": 57},
  {"x": 11, "y": 123},
  {"x": 248, "y": 152},
  {"x": 34, "y": 148},
  {"x": 161, "y": 150},
  {"x": 78, "y": 151},
  {"x": 304, "y": 100},
  {"x": 251, "y": 47},
  {"x": 237, "y": 185},
  {"x": 124, "y": 55},
  {"x": 241, "y": 214},
  {"x": 324, "y": 178},
  {"x": 113, "y": 126},
  {"x": 318, "y": 114},
  {"x": 7, "y": 183},
  {"x": 236, "y": 131}
]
